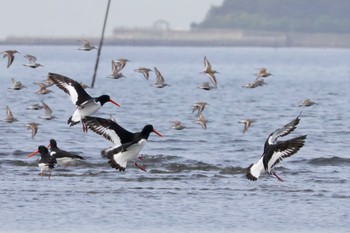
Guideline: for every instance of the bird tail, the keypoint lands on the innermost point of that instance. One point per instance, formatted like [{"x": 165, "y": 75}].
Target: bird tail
[{"x": 70, "y": 122}]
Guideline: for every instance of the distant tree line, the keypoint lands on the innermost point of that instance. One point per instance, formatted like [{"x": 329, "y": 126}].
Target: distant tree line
[{"x": 280, "y": 15}]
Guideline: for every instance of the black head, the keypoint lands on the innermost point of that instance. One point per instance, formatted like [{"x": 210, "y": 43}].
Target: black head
[
  {"x": 147, "y": 130},
  {"x": 53, "y": 143},
  {"x": 43, "y": 150},
  {"x": 103, "y": 99}
]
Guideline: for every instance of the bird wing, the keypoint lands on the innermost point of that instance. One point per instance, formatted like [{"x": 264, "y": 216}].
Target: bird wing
[
  {"x": 109, "y": 129},
  {"x": 159, "y": 76},
  {"x": 282, "y": 150},
  {"x": 48, "y": 110},
  {"x": 76, "y": 92}
]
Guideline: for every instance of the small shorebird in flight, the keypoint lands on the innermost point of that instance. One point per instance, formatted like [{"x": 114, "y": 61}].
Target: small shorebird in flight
[
  {"x": 116, "y": 68},
  {"x": 178, "y": 125},
  {"x": 127, "y": 145},
  {"x": 202, "y": 121},
  {"x": 206, "y": 86},
  {"x": 263, "y": 73},
  {"x": 46, "y": 162},
  {"x": 31, "y": 62},
  {"x": 209, "y": 71},
  {"x": 42, "y": 89},
  {"x": 120, "y": 63},
  {"x": 275, "y": 151},
  {"x": 35, "y": 107},
  {"x": 9, "y": 116},
  {"x": 199, "y": 106},
  {"x": 16, "y": 85},
  {"x": 160, "y": 82},
  {"x": 307, "y": 103},
  {"x": 34, "y": 127},
  {"x": 86, "y": 45},
  {"x": 47, "y": 112},
  {"x": 10, "y": 56},
  {"x": 259, "y": 82},
  {"x": 247, "y": 123},
  {"x": 85, "y": 104},
  {"x": 145, "y": 71}
]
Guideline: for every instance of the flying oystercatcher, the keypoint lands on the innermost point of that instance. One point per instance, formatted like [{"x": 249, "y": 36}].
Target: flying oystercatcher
[
  {"x": 127, "y": 145},
  {"x": 63, "y": 157},
  {"x": 86, "y": 105},
  {"x": 46, "y": 162},
  {"x": 275, "y": 151}
]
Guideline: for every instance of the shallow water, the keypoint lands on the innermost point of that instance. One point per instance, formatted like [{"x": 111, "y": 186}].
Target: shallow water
[{"x": 195, "y": 179}]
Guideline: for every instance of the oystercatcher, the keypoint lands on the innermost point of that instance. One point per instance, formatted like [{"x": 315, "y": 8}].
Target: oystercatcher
[
  {"x": 86, "y": 105},
  {"x": 63, "y": 157},
  {"x": 46, "y": 162},
  {"x": 275, "y": 151},
  {"x": 127, "y": 145}
]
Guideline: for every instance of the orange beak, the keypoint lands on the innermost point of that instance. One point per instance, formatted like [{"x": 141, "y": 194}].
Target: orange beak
[
  {"x": 48, "y": 146},
  {"x": 32, "y": 154},
  {"x": 113, "y": 102},
  {"x": 154, "y": 131}
]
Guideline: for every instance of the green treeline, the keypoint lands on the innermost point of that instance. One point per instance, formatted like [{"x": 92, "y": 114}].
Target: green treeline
[{"x": 332, "y": 16}]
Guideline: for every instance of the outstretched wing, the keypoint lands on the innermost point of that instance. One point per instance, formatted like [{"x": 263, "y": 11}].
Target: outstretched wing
[
  {"x": 76, "y": 92},
  {"x": 282, "y": 150},
  {"x": 109, "y": 129},
  {"x": 280, "y": 132}
]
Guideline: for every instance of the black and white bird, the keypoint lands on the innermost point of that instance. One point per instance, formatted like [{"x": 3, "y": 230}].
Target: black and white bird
[
  {"x": 85, "y": 104},
  {"x": 46, "y": 162},
  {"x": 63, "y": 157},
  {"x": 275, "y": 151},
  {"x": 127, "y": 145}
]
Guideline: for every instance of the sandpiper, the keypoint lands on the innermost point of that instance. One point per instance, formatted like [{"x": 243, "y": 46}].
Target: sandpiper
[
  {"x": 10, "y": 56},
  {"x": 247, "y": 123},
  {"x": 259, "y": 82},
  {"x": 116, "y": 68},
  {"x": 34, "y": 127},
  {"x": 178, "y": 125},
  {"x": 160, "y": 83},
  {"x": 120, "y": 63},
  {"x": 307, "y": 103},
  {"x": 31, "y": 62},
  {"x": 9, "y": 116},
  {"x": 145, "y": 71},
  {"x": 209, "y": 71},
  {"x": 202, "y": 121},
  {"x": 86, "y": 45},
  {"x": 206, "y": 86},
  {"x": 35, "y": 107},
  {"x": 42, "y": 89},
  {"x": 199, "y": 106},
  {"x": 263, "y": 73},
  {"x": 16, "y": 85},
  {"x": 47, "y": 112}
]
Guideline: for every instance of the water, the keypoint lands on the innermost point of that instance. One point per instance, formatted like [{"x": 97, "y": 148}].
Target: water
[{"x": 195, "y": 179}]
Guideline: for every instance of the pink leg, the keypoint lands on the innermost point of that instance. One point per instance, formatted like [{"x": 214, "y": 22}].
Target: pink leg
[
  {"x": 279, "y": 178},
  {"x": 140, "y": 167},
  {"x": 85, "y": 128}
]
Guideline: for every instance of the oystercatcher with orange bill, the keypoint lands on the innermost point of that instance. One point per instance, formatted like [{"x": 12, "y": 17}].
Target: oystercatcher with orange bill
[
  {"x": 127, "y": 145},
  {"x": 275, "y": 151},
  {"x": 86, "y": 105},
  {"x": 46, "y": 162},
  {"x": 63, "y": 157}
]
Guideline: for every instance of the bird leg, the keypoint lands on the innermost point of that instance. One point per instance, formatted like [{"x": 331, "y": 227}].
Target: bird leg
[
  {"x": 279, "y": 178},
  {"x": 85, "y": 128},
  {"x": 49, "y": 175},
  {"x": 140, "y": 166}
]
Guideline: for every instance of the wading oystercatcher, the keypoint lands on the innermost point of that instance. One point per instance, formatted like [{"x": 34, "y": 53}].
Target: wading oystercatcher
[
  {"x": 63, "y": 157},
  {"x": 275, "y": 151},
  {"x": 86, "y": 105},
  {"x": 127, "y": 145},
  {"x": 46, "y": 162}
]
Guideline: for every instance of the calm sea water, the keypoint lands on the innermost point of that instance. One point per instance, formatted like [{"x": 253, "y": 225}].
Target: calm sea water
[{"x": 195, "y": 179}]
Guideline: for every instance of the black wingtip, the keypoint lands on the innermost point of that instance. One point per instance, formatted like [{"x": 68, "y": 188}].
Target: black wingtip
[
  {"x": 115, "y": 165},
  {"x": 250, "y": 175}
]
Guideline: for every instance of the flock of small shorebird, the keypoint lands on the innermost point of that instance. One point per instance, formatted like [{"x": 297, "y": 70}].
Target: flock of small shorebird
[{"x": 127, "y": 145}]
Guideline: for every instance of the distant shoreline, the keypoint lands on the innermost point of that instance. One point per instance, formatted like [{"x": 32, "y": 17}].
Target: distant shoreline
[{"x": 215, "y": 38}]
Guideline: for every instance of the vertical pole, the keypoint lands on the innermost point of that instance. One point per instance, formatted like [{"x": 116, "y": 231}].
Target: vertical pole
[{"x": 100, "y": 46}]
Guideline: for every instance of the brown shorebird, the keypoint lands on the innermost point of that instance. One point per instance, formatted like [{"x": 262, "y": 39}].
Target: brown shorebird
[
  {"x": 263, "y": 73},
  {"x": 42, "y": 89},
  {"x": 178, "y": 125},
  {"x": 120, "y": 63},
  {"x": 247, "y": 123},
  {"x": 145, "y": 71},
  {"x": 16, "y": 85},
  {"x": 199, "y": 106},
  {"x": 31, "y": 62},
  {"x": 257, "y": 83},
  {"x": 34, "y": 127},
  {"x": 160, "y": 83},
  {"x": 10, "y": 56},
  {"x": 86, "y": 45},
  {"x": 116, "y": 68},
  {"x": 202, "y": 121},
  {"x": 35, "y": 107},
  {"x": 47, "y": 112},
  {"x": 9, "y": 116},
  {"x": 209, "y": 71},
  {"x": 307, "y": 103}
]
